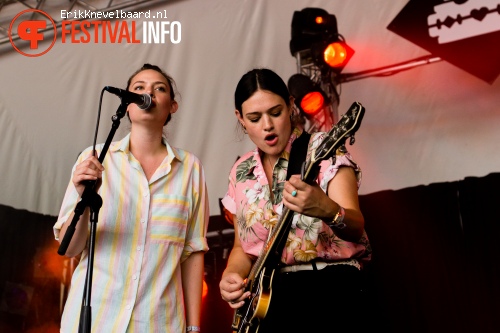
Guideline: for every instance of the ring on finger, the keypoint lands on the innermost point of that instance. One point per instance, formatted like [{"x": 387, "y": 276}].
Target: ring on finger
[{"x": 294, "y": 193}]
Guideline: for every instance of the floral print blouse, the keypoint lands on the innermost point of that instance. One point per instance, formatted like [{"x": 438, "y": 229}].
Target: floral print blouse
[{"x": 248, "y": 197}]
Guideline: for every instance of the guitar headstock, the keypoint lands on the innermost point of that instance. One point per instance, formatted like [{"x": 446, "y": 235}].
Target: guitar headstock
[{"x": 345, "y": 128}]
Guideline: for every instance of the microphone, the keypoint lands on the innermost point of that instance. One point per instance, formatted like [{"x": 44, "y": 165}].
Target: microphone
[{"x": 143, "y": 101}]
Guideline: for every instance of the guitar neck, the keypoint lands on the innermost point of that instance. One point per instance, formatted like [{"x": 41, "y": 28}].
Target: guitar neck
[
  {"x": 268, "y": 248},
  {"x": 278, "y": 236}
]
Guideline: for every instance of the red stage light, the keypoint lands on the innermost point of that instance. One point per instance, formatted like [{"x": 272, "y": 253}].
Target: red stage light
[
  {"x": 312, "y": 102},
  {"x": 335, "y": 55},
  {"x": 316, "y": 39},
  {"x": 205, "y": 289},
  {"x": 309, "y": 97}
]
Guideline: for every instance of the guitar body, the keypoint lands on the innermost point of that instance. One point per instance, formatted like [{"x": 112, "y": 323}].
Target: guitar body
[
  {"x": 247, "y": 318},
  {"x": 259, "y": 282}
]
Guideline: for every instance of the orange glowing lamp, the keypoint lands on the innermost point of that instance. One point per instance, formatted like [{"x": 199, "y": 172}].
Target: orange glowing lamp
[
  {"x": 309, "y": 96},
  {"x": 312, "y": 102},
  {"x": 204, "y": 290},
  {"x": 335, "y": 55}
]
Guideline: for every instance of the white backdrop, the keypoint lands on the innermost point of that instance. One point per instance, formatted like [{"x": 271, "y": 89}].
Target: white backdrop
[{"x": 433, "y": 123}]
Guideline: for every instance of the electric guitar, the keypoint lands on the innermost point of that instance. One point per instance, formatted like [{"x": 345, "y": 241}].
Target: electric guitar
[{"x": 247, "y": 318}]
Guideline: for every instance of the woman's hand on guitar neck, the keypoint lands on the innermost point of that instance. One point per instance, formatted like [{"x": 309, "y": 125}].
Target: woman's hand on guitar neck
[{"x": 306, "y": 199}]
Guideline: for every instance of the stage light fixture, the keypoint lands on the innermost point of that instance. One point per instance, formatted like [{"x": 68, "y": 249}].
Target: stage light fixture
[
  {"x": 309, "y": 97},
  {"x": 312, "y": 102},
  {"x": 309, "y": 26},
  {"x": 333, "y": 53},
  {"x": 315, "y": 36}
]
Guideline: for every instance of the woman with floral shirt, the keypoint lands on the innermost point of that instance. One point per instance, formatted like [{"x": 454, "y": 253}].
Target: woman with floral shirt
[{"x": 318, "y": 285}]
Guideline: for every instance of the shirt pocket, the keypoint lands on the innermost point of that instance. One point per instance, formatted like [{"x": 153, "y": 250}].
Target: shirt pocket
[{"x": 170, "y": 214}]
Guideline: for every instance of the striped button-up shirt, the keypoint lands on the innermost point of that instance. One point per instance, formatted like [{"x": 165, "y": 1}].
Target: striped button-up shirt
[{"x": 145, "y": 230}]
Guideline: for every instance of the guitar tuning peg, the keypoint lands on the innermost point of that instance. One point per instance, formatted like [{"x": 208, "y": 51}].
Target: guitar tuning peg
[{"x": 352, "y": 140}]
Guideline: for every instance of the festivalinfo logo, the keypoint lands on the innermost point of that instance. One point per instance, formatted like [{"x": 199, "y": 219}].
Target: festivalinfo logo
[{"x": 85, "y": 26}]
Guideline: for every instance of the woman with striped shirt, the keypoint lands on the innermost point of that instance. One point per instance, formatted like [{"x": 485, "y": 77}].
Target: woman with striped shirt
[{"x": 151, "y": 230}]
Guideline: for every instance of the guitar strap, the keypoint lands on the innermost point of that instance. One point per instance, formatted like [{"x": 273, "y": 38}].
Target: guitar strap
[{"x": 298, "y": 154}]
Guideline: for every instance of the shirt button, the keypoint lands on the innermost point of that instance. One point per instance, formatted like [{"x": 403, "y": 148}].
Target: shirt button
[
  {"x": 143, "y": 220},
  {"x": 134, "y": 277},
  {"x": 129, "y": 307},
  {"x": 138, "y": 248}
]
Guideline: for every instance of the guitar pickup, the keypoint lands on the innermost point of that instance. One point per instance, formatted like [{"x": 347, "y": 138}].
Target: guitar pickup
[{"x": 452, "y": 22}]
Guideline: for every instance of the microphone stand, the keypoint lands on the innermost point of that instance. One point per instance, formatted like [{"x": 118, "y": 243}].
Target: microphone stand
[{"x": 91, "y": 199}]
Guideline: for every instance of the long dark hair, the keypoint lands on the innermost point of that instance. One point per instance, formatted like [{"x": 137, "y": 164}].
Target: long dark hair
[{"x": 259, "y": 79}]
